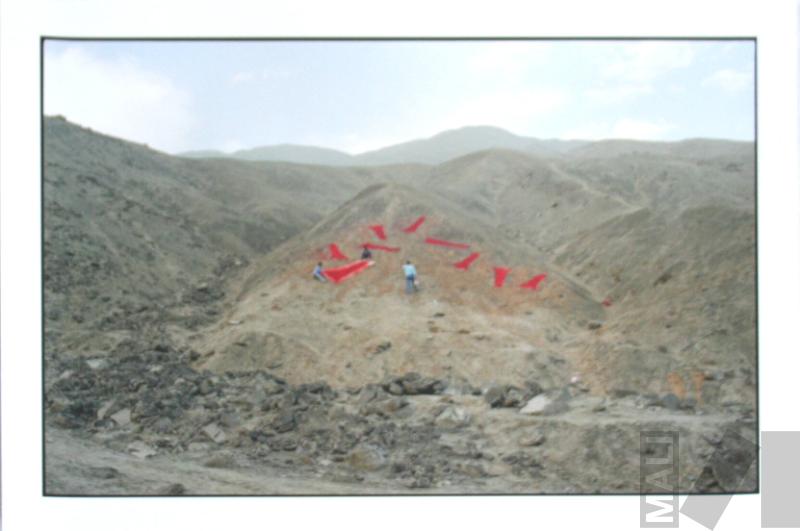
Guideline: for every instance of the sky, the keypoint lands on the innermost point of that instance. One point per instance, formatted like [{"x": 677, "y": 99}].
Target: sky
[{"x": 357, "y": 96}]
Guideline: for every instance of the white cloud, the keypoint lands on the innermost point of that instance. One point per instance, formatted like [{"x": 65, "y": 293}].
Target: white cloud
[
  {"x": 264, "y": 75},
  {"x": 268, "y": 74},
  {"x": 645, "y": 61},
  {"x": 242, "y": 77},
  {"x": 510, "y": 57},
  {"x": 117, "y": 97},
  {"x": 730, "y": 80},
  {"x": 634, "y": 69},
  {"x": 609, "y": 94},
  {"x": 623, "y": 128}
]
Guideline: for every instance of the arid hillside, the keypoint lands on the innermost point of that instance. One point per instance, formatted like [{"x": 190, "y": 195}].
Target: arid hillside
[{"x": 188, "y": 350}]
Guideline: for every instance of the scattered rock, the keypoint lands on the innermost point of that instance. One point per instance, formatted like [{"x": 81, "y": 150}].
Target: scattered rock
[
  {"x": 532, "y": 389},
  {"x": 370, "y": 392},
  {"x": 271, "y": 387},
  {"x": 103, "y": 411},
  {"x": 284, "y": 422},
  {"x": 221, "y": 461},
  {"x": 102, "y": 472},
  {"x": 122, "y": 418},
  {"x": 597, "y": 404},
  {"x": 141, "y": 450},
  {"x": 198, "y": 447},
  {"x": 382, "y": 347},
  {"x": 394, "y": 388},
  {"x": 495, "y": 396},
  {"x": 97, "y": 363},
  {"x": 523, "y": 464},
  {"x": 205, "y": 387},
  {"x": 367, "y": 457},
  {"x": 536, "y": 406},
  {"x": 452, "y": 418},
  {"x": 509, "y": 395},
  {"x": 544, "y": 405},
  {"x": 594, "y": 325},
  {"x": 215, "y": 433},
  {"x": 162, "y": 425},
  {"x": 533, "y": 438},
  {"x": 414, "y": 384},
  {"x": 670, "y": 401},
  {"x": 387, "y": 408}
]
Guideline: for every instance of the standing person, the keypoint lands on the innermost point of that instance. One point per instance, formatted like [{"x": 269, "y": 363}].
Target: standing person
[
  {"x": 318, "y": 274},
  {"x": 411, "y": 277},
  {"x": 366, "y": 254}
]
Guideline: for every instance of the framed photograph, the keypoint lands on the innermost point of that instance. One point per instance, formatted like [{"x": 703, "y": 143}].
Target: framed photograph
[{"x": 399, "y": 266}]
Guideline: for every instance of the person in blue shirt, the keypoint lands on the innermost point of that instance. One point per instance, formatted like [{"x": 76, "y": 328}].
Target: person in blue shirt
[
  {"x": 318, "y": 274},
  {"x": 411, "y": 276}
]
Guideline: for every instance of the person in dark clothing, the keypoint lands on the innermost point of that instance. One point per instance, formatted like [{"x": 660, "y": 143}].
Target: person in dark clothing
[{"x": 366, "y": 254}]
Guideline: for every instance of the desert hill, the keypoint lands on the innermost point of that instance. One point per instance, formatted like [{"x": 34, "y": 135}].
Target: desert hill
[
  {"x": 434, "y": 150},
  {"x": 482, "y": 334},
  {"x": 128, "y": 229},
  {"x": 186, "y": 339},
  {"x": 298, "y": 154}
]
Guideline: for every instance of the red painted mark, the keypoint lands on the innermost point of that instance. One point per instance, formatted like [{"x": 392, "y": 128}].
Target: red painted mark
[
  {"x": 466, "y": 262},
  {"x": 338, "y": 274},
  {"x": 534, "y": 282},
  {"x": 445, "y": 243},
  {"x": 607, "y": 302},
  {"x": 378, "y": 230},
  {"x": 377, "y": 247},
  {"x": 336, "y": 254},
  {"x": 500, "y": 274},
  {"x": 414, "y": 226}
]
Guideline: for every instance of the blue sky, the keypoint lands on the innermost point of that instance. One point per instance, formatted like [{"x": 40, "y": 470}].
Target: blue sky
[{"x": 357, "y": 96}]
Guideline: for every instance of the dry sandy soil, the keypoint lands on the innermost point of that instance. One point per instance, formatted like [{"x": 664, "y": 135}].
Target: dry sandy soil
[{"x": 189, "y": 351}]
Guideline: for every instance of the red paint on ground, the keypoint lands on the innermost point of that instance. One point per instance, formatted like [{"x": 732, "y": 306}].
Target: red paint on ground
[
  {"x": 338, "y": 274},
  {"x": 466, "y": 262},
  {"x": 336, "y": 254},
  {"x": 379, "y": 232},
  {"x": 445, "y": 243},
  {"x": 534, "y": 282},
  {"x": 377, "y": 247},
  {"x": 500, "y": 274},
  {"x": 414, "y": 226}
]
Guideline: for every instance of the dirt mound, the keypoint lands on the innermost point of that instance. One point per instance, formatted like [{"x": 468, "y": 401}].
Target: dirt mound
[{"x": 483, "y": 333}]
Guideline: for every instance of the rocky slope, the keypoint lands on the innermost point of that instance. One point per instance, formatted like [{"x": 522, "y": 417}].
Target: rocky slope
[{"x": 188, "y": 350}]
